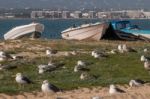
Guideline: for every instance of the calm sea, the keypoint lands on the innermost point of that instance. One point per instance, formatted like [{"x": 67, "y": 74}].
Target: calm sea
[{"x": 53, "y": 28}]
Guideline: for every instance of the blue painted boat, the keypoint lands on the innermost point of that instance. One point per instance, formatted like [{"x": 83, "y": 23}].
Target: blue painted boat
[{"x": 127, "y": 27}]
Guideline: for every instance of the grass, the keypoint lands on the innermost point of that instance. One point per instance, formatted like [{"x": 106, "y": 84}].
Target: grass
[{"x": 116, "y": 69}]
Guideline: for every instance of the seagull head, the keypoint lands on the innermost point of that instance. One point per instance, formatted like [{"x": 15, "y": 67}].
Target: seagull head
[
  {"x": 131, "y": 83},
  {"x": 112, "y": 86},
  {"x": 18, "y": 74},
  {"x": 45, "y": 82}
]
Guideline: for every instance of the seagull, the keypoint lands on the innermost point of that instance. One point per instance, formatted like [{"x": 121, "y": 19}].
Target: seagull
[
  {"x": 2, "y": 53},
  {"x": 113, "y": 51},
  {"x": 113, "y": 89},
  {"x": 15, "y": 57},
  {"x": 93, "y": 53},
  {"x": 2, "y": 58},
  {"x": 143, "y": 58},
  {"x": 120, "y": 49},
  {"x": 73, "y": 53},
  {"x": 124, "y": 48},
  {"x": 48, "y": 53},
  {"x": 136, "y": 82},
  {"x": 84, "y": 76},
  {"x": 49, "y": 88},
  {"x": 81, "y": 63},
  {"x": 77, "y": 68},
  {"x": 20, "y": 79},
  {"x": 147, "y": 65},
  {"x": 96, "y": 55},
  {"x": 44, "y": 68},
  {"x": 145, "y": 50}
]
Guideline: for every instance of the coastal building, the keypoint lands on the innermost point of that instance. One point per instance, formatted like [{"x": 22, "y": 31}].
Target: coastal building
[
  {"x": 92, "y": 14},
  {"x": 134, "y": 14},
  {"x": 147, "y": 14},
  {"x": 85, "y": 15},
  {"x": 76, "y": 14},
  {"x": 103, "y": 15},
  {"x": 65, "y": 14},
  {"x": 37, "y": 14}
]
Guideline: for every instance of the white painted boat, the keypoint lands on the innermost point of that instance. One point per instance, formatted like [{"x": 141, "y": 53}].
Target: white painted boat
[
  {"x": 31, "y": 30},
  {"x": 85, "y": 32}
]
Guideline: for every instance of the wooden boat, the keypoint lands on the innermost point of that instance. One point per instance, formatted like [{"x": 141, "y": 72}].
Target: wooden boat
[
  {"x": 85, "y": 32},
  {"x": 33, "y": 30}
]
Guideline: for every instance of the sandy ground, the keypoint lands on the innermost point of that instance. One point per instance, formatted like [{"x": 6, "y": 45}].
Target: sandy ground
[{"x": 142, "y": 92}]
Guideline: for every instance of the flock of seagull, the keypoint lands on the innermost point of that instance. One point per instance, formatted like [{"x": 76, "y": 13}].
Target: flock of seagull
[{"x": 47, "y": 87}]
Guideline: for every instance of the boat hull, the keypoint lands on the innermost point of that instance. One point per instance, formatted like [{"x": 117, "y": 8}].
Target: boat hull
[
  {"x": 32, "y": 30},
  {"x": 91, "y": 32},
  {"x": 144, "y": 33}
]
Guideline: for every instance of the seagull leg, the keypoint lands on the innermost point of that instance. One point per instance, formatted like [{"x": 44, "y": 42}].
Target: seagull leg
[
  {"x": 23, "y": 86},
  {"x": 19, "y": 85}
]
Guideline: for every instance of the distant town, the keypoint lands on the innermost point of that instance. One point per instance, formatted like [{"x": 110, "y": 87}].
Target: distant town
[{"x": 64, "y": 14}]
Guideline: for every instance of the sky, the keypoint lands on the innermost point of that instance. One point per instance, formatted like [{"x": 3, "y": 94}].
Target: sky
[{"x": 77, "y": 4}]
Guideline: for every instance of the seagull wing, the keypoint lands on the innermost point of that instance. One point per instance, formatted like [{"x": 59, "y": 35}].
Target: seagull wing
[
  {"x": 120, "y": 90},
  {"x": 27, "y": 80},
  {"x": 54, "y": 88}
]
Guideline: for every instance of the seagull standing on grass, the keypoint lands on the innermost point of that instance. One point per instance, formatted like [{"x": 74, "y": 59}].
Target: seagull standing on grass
[
  {"x": 78, "y": 68},
  {"x": 81, "y": 63},
  {"x": 48, "y": 88},
  {"x": 44, "y": 68},
  {"x": 145, "y": 50},
  {"x": 84, "y": 76},
  {"x": 21, "y": 79},
  {"x": 49, "y": 53},
  {"x": 124, "y": 48},
  {"x": 2, "y": 56},
  {"x": 93, "y": 53},
  {"x": 120, "y": 48},
  {"x": 143, "y": 58},
  {"x": 114, "y": 90},
  {"x": 147, "y": 65}
]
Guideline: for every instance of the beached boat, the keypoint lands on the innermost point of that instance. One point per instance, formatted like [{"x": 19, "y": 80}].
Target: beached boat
[
  {"x": 127, "y": 27},
  {"x": 85, "y": 32},
  {"x": 33, "y": 30}
]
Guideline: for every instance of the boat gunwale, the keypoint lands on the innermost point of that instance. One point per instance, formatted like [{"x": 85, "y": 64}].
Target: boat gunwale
[{"x": 80, "y": 27}]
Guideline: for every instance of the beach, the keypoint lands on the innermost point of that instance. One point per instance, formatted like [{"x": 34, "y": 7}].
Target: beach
[{"x": 85, "y": 93}]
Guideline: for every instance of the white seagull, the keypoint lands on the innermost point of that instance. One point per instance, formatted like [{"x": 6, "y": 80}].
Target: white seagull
[
  {"x": 137, "y": 82},
  {"x": 21, "y": 80},
  {"x": 48, "y": 88},
  {"x": 147, "y": 65},
  {"x": 143, "y": 58},
  {"x": 124, "y": 48},
  {"x": 44, "y": 68},
  {"x": 81, "y": 63},
  {"x": 145, "y": 50},
  {"x": 48, "y": 53},
  {"x": 84, "y": 76},
  {"x": 93, "y": 53},
  {"x": 113, "y": 89},
  {"x": 120, "y": 48},
  {"x": 77, "y": 68}
]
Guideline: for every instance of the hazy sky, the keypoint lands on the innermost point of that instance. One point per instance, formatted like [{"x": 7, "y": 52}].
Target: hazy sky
[{"x": 78, "y": 4}]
